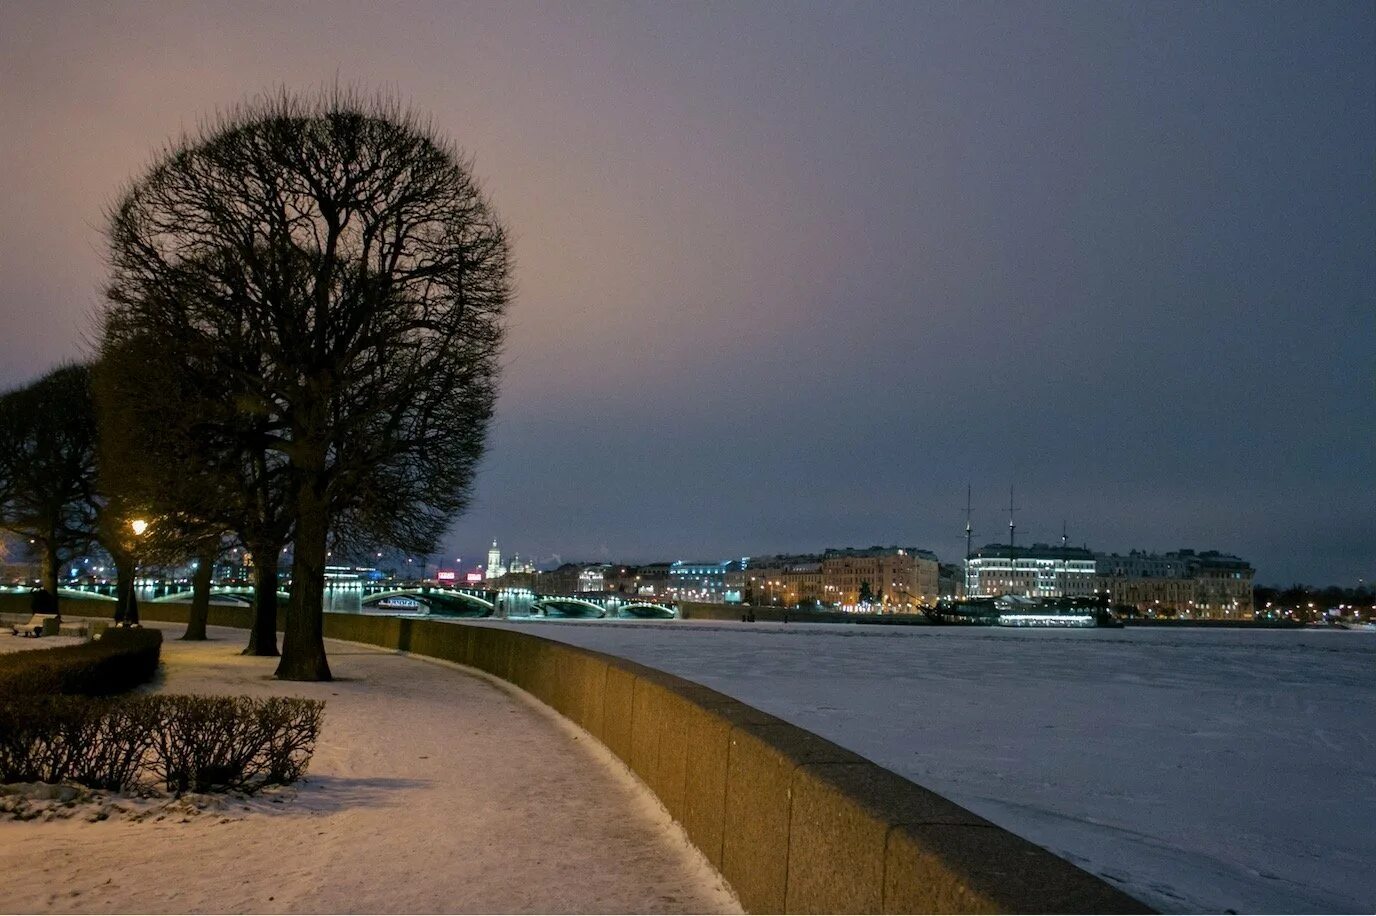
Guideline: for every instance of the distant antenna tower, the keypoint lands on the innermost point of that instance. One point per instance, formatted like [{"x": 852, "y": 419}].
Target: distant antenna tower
[{"x": 1064, "y": 537}]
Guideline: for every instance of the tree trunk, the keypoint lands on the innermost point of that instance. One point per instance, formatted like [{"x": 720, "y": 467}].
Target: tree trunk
[
  {"x": 262, "y": 639},
  {"x": 126, "y": 601},
  {"x": 200, "y": 597},
  {"x": 49, "y": 574},
  {"x": 303, "y": 644}
]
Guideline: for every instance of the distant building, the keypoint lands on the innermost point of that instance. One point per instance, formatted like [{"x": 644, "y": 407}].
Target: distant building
[
  {"x": 950, "y": 581},
  {"x": 562, "y": 580},
  {"x": 704, "y": 581},
  {"x": 495, "y": 569},
  {"x": 592, "y": 578},
  {"x": 1207, "y": 584},
  {"x": 345, "y": 575},
  {"x": 1183, "y": 582},
  {"x": 512, "y": 580},
  {"x": 783, "y": 580},
  {"x": 891, "y": 578},
  {"x": 1039, "y": 571},
  {"x": 568, "y": 579},
  {"x": 648, "y": 581}
]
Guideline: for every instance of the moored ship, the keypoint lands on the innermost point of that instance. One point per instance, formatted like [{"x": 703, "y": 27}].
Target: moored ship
[{"x": 1019, "y": 611}]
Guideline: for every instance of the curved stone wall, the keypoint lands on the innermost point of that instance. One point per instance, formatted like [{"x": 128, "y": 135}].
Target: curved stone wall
[{"x": 795, "y": 823}]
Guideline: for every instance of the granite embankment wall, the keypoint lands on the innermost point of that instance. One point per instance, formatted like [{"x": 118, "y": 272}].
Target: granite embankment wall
[{"x": 792, "y": 821}]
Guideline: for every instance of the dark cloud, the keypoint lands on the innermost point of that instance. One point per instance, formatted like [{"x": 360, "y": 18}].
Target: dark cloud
[{"x": 791, "y": 276}]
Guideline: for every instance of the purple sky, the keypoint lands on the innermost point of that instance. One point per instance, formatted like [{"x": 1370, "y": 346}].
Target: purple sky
[{"x": 791, "y": 276}]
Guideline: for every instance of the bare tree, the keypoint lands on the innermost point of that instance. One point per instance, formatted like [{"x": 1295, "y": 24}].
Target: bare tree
[
  {"x": 351, "y": 251},
  {"x": 48, "y": 466},
  {"x": 198, "y": 461}
]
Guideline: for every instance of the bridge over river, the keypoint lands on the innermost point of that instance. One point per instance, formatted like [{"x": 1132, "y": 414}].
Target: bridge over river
[{"x": 445, "y": 601}]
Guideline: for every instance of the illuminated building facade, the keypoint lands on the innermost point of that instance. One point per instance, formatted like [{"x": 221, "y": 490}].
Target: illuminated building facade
[
  {"x": 699, "y": 581},
  {"x": 495, "y": 569},
  {"x": 892, "y": 578},
  {"x": 782, "y": 580},
  {"x": 1180, "y": 583},
  {"x": 1039, "y": 571}
]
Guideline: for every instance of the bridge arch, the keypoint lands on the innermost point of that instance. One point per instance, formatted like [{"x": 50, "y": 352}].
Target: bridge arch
[
  {"x": 564, "y": 606},
  {"x": 647, "y": 610},
  {"x": 237, "y": 593},
  {"x": 452, "y": 603},
  {"x": 459, "y": 604},
  {"x": 64, "y": 592}
]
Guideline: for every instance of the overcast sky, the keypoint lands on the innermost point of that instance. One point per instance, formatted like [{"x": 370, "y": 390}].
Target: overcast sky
[{"x": 791, "y": 276}]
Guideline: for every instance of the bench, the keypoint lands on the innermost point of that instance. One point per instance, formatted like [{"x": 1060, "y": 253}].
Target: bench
[{"x": 38, "y": 625}]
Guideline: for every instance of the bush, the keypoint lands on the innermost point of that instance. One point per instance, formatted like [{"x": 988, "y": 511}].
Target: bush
[
  {"x": 189, "y": 743},
  {"x": 217, "y": 743},
  {"x": 99, "y": 743},
  {"x": 120, "y": 660},
  {"x": 118, "y": 743}
]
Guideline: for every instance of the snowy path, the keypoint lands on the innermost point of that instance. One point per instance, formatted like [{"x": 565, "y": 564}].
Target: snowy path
[
  {"x": 1200, "y": 770},
  {"x": 432, "y": 790}
]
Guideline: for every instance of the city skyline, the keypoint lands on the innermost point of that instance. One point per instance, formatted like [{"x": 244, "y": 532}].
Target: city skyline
[{"x": 791, "y": 275}]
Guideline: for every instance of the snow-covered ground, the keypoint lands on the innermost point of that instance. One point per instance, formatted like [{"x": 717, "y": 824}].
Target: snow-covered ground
[
  {"x": 1200, "y": 770},
  {"x": 431, "y": 791},
  {"x": 11, "y": 643}
]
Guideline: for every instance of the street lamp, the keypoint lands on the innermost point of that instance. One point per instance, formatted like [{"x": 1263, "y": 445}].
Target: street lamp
[{"x": 127, "y": 614}]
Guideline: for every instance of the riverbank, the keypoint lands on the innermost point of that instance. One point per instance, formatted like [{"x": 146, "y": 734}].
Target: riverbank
[
  {"x": 432, "y": 790},
  {"x": 1198, "y": 769}
]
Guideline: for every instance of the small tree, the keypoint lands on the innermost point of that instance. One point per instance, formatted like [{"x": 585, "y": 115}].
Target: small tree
[
  {"x": 200, "y": 462},
  {"x": 350, "y": 252},
  {"x": 48, "y": 466}
]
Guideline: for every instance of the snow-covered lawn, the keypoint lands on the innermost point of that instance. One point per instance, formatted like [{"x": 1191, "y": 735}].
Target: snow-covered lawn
[
  {"x": 11, "y": 643},
  {"x": 1200, "y": 770},
  {"x": 432, "y": 790}
]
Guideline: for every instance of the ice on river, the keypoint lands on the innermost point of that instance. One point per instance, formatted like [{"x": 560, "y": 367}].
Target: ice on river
[{"x": 1199, "y": 770}]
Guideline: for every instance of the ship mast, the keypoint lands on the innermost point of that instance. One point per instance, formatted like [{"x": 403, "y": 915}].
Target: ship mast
[
  {"x": 969, "y": 530},
  {"x": 1012, "y": 528},
  {"x": 969, "y": 533}
]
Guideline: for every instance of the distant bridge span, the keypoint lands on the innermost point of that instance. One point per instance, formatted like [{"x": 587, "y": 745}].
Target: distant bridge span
[
  {"x": 440, "y": 601},
  {"x": 515, "y": 603}
]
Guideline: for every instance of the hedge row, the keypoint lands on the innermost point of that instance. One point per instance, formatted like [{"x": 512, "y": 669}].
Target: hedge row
[
  {"x": 120, "y": 660},
  {"x": 187, "y": 743}
]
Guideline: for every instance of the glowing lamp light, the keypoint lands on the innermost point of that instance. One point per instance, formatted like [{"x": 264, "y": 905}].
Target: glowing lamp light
[{"x": 139, "y": 526}]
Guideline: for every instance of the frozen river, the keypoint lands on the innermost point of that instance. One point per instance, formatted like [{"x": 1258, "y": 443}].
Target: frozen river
[{"x": 1199, "y": 770}]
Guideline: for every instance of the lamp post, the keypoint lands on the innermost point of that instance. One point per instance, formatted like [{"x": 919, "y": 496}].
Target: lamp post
[{"x": 130, "y": 615}]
